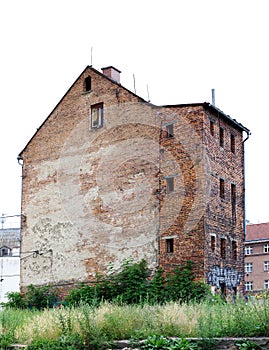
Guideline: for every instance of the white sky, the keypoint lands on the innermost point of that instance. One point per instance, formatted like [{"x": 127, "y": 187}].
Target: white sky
[{"x": 181, "y": 49}]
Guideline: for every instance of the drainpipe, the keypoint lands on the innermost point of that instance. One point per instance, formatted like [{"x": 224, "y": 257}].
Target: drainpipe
[{"x": 244, "y": 199}]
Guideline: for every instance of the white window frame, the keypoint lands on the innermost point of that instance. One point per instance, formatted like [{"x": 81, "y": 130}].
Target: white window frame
[
  {"x": 266, "y": 284},
  {"x": 249, "y": 286},
  {"x": 266, "y": 265},
  {"x": 248, "y": 267},
  {"x": 266, "y": 248},
  {"x": 249, "y": 250}
]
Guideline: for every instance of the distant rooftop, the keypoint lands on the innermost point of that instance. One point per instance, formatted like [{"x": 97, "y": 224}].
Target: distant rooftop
[{"x": 257, "y": 232}]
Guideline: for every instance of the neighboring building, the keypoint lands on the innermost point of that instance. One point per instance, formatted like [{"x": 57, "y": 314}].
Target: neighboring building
[
  {"x": 108, "y": 176},
  {"x": 257, "y": 257},
  {"x": 9, "y": 261}
]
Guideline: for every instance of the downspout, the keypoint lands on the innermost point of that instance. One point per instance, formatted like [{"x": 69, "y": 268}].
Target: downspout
[{"x": 244, "y": 198}]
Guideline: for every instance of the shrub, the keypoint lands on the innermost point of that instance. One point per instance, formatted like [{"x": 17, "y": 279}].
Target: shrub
[
  {"x": 36, "y": 297},
  {"x": 15, "y": 300},
  {"x": 132, "y": 285}
]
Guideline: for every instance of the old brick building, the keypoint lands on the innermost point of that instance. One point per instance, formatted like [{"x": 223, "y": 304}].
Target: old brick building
[{"x": 109, "y": 176}]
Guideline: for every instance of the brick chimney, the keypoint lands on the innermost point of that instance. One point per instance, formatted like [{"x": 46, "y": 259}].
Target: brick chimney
[{"x": 112, "y": 73}]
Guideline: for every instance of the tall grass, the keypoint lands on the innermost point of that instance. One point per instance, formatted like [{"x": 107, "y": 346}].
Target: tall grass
[{"x": 113, "y": 322}]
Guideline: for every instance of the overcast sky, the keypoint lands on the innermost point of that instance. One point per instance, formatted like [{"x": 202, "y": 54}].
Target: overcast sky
[{"x": 179, "y": 49}]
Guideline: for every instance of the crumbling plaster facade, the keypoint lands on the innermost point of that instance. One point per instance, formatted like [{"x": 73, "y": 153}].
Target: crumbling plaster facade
[{"x": 143, "y": 184}]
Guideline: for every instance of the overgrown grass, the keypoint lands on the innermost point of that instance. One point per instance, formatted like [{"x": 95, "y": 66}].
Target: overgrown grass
[{"x": 108, "y": 321}]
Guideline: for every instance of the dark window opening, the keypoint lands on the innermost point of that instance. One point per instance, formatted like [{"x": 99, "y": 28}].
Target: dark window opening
[
  {"x": 97, "y": 116},
  {"x": 213, "y": 243},
  {"x": 223, "y": 248},
  {"x": 170, "y": 245},
  {"x": 221, "y": 137},
  {"x": 233, "y": 198},
  {"x": 88, "y": 84},
  {"x": 221, "y": 189},
  {"x": 4, "y": 251},
  {"x": 169, "y": 184},
  {"x": 170, "y": 131},
  {"x": 212, "y": 127},
  {"x": 232, "y": 143},
  {"x": 234, "y": 250}
]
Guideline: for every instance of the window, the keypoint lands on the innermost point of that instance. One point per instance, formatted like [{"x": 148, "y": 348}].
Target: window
[
  {"x": 266, "y": 284},
  {"x": 266, "y": 248},
  {"x": 170, "y": 131},
  {"x": 88, "y": 83},
  {"x": 248, "y": 286},
  {"x": 4, "y": 251},
  {"x": 212, "y": 127},
  {"x": 248, "y": 267},
  {"x": 233, "y": 198},
  {"x": 248, "y": 250},
  {"x": 97, "y": 115},
  {"x": 223, "y": 248},
  {"x": 232, "y": 143},
  {"x": 221, "y": 189},
  {"x": 169, "y": 184},
  {"x": 213, "y": 243},
  {"x": 234, "y": 250},
  {"x": 221, "y": 137},
  {"x": 170, "y": 245},
  {"x": 266, "y": 265}
]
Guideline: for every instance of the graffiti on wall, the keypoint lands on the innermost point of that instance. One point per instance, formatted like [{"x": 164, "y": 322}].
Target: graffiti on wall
[{"x": 222, "y": 275}]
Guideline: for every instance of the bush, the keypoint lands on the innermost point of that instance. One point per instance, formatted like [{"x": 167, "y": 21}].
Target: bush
[
  {"x": 15, "y": 300},
  {"x": 132, "y": 285},
  {"x": 35, "y": 298}
]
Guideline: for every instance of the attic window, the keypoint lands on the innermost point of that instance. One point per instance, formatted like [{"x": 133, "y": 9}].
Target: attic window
[
  {"x": 88, "y": 83},
  {"x": 97, "y": 112}
]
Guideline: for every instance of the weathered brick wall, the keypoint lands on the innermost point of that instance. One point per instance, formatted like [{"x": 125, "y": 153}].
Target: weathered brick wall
[
  {"x": 90, "y": 195},
  {"x": 221, "y": 219},
  {"x": 181, "y": 213}
]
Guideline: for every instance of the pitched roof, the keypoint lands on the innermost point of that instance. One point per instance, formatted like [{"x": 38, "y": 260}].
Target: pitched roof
[
  {"x": 206, "y": 105},
  {"x": 257, "y": 231}
]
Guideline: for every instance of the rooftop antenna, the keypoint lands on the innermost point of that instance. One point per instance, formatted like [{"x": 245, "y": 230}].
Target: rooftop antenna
[
  {"x": 213, "y": 96},
  {"x": 134, "y": 83},
  {"x": 91, "y": 55},
  {"x": 148, "y": 93}
]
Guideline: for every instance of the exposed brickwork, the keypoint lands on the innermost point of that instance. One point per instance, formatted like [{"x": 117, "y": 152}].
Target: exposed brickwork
[{"x": 92, "y": 197}]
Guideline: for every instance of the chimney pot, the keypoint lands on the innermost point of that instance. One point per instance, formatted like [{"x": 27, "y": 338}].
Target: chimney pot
[{"x": 112, "y": 73}]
